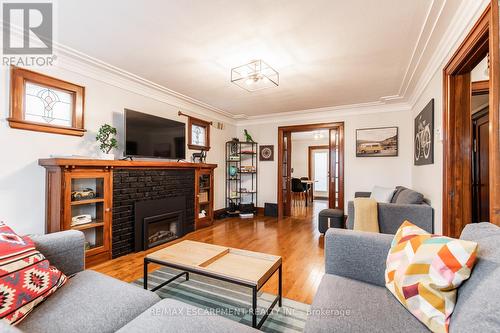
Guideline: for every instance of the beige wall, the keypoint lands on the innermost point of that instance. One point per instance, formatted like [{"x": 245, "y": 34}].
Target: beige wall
[{"x": 300, "y": 155}]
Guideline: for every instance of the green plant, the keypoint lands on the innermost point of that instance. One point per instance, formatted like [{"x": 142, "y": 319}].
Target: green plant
[{"x": 106, "y": 137}]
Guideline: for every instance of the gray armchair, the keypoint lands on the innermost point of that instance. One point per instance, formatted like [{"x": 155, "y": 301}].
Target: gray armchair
[{"x": 392, "y": 215}]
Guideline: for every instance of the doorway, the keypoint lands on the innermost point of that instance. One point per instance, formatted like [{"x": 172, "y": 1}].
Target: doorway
[
  {"x": 335, "y": 166},
  {"x": 318, "y": 170},
  {"x": 468, "y": 186},
  {"x": 480, "y": 166}
]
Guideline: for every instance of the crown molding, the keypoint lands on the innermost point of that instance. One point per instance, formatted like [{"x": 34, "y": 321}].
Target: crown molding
[
  {"x": 75, "y": 61},
  {"x": 326, "y": 113},
  {"x": 453, "y": 36}
]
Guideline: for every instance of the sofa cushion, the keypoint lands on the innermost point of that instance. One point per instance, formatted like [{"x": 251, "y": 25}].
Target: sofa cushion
[
  {"x": 26, "y": 276},
  {"x": 424, "y": 271},
  {"x": 407, "y": 196},
  {"x": 382, "y": 194},
  {"x": 89, "y": 302},
  {"x": 170, "y": 315},
  {"x": 396, "y": 193},
  {"x": 478, "y": 303},
  {"x": 346, "y": 305}
]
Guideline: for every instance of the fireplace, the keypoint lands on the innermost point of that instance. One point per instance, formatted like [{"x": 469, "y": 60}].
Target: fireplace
[{"x": 159, "y": 221}]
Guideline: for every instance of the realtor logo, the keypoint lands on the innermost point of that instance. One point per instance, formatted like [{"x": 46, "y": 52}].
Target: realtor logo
[{"x": 35, "y": 20}]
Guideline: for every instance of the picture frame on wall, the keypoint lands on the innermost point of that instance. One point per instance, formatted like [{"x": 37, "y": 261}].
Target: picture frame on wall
[
  {"x": 423, "y": 136},
  {"x": 266, "y": 153},
  {"x": 377, "y": 142}
]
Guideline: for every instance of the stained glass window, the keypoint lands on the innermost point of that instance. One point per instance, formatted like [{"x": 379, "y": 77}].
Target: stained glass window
[
  {"x": 45, "y": 104},
  {"x": 198, "y": 135},
  {"x": 48, "y": 105}
]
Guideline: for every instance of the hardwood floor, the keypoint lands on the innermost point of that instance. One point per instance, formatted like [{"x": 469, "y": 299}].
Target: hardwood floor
[{"x": 296, "y": 239}]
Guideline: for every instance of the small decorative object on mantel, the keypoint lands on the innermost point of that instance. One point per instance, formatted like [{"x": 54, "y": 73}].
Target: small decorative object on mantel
[
  {"x": 266, "y": 153},
  {"x": 107, "y": 140},
  {"x": 424, "y": 140},
  {"x": 199, "y": 157},
  {"x": 248, "y": 137},
  {"x": 377, "y": 142}
]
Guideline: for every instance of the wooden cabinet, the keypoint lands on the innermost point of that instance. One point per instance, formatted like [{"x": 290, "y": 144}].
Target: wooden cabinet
[
  {"x": 88, "y": 193},
  {"x": 76, "y": 187},
  {"x": 204, "y": 198}
]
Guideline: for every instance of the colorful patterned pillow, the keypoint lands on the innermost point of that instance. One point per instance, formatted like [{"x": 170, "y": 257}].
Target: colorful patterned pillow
[
  {"x": 424, "y": 271},
  {"x": 26, "y": 277}
]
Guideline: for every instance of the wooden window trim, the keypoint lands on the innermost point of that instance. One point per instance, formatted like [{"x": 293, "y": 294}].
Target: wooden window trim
[
  {"x": 198, "y": 122},
  {"x": 18, "y": 78}
]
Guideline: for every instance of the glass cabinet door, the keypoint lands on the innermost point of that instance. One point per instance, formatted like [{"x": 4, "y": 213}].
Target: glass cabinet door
[
  {"x": 204, "y": 195},
  {"x": 88, "y": 208}
]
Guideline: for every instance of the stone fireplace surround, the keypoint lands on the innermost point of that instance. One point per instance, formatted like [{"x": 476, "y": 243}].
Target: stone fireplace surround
[{"x": 134, "y": 185}]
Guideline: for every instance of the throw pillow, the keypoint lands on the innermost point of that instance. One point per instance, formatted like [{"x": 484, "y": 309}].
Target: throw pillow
[
  {"x": 409, "y": 197},
  {"x": 424, "y": 271},
  {"x": 382, "y": 194},
  {"x": 399, "y": 189},
  {"x": 26, "y": 277}
]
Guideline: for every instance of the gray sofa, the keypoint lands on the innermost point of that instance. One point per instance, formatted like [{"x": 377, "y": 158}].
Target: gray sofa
[
  {"x": 406, "y": 204},
  {"x": 352, "y": 296},
  {"x": 93, "y": 302}
]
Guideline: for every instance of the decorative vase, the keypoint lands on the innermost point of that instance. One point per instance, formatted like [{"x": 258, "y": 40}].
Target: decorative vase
[{"x": 233, "y": 171}]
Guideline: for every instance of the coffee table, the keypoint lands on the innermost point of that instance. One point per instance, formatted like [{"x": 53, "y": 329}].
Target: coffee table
[{"x": 245, "y": 268}]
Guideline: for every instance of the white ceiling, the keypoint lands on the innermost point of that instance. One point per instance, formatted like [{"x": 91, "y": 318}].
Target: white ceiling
[{"x": 328, "y": 52}]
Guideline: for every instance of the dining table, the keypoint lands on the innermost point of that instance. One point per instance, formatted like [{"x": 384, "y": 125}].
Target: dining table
[{"x": 309, "y": 188}]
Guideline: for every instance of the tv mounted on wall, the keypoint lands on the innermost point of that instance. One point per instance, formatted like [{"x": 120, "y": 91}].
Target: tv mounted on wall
[{"x": 152, "y": 136}]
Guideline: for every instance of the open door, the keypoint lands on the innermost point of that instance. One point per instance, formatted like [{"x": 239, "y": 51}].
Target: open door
[
  {"x": 336, "y": 176},
  {"x": 284, "y": 173}
]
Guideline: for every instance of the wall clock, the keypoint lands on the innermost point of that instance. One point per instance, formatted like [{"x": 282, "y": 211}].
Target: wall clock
[{"x": 266, "y": 153}]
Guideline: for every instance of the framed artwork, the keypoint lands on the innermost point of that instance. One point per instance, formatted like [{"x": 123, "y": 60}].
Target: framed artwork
[
  {"x": 424, "y": 138},
  {"x": 377, "y": 142},
  {"x": 266, "y": 153},
  {"x": 45, "y": 104}
]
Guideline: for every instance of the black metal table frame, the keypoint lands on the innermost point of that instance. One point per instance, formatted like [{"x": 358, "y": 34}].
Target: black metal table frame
[{"x": 186, "y": 272}]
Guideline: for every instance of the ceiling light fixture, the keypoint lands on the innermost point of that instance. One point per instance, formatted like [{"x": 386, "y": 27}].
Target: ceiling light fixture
[{"x": 256, "y": 75}]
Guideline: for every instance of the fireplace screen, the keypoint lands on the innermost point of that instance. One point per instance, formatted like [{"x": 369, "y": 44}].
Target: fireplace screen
[{"x": 161, "y": 228}]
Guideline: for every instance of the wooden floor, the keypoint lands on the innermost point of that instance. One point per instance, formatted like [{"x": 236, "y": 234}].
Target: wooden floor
[{"x": 296, "y": 239}]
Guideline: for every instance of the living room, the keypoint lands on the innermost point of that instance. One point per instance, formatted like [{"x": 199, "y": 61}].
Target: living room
[{"x": 175, "y": 188}]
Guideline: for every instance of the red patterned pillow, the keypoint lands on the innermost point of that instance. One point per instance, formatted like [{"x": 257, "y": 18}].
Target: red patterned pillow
[{"x": 26, "y": 277}]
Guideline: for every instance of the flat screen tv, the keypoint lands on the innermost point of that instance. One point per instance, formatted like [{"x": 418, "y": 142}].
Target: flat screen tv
[{"x": 152, "y": 136}]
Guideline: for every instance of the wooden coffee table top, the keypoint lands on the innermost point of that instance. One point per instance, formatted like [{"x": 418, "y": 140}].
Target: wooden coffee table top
[{"x": 253, "y": 268}]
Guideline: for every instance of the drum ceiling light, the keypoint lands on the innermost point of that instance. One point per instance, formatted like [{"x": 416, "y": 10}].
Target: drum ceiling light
[{"x": 256, "y": 75}]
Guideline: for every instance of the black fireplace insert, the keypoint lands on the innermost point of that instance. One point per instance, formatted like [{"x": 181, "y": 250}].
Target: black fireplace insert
[{"x": 159, "y": 221}]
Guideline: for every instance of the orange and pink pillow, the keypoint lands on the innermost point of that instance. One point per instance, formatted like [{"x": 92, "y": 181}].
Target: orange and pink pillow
[{"x": 424, "y": 272}]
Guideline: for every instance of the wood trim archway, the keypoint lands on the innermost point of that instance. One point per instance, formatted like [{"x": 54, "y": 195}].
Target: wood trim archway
[
  {"x": 457, "y": 131},
  {"x": 494, "y": 115},
  {"x": 284, "y": 132}
]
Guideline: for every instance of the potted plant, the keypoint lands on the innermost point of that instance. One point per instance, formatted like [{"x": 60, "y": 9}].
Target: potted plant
[{"x": 106, "y": 138}]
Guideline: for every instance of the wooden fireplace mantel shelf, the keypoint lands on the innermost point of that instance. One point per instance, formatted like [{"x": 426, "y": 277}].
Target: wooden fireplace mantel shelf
[{"x": 76, "y": 162}]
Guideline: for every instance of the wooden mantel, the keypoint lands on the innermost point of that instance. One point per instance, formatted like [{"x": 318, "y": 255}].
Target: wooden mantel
[{"x": 77, "y": 162}]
